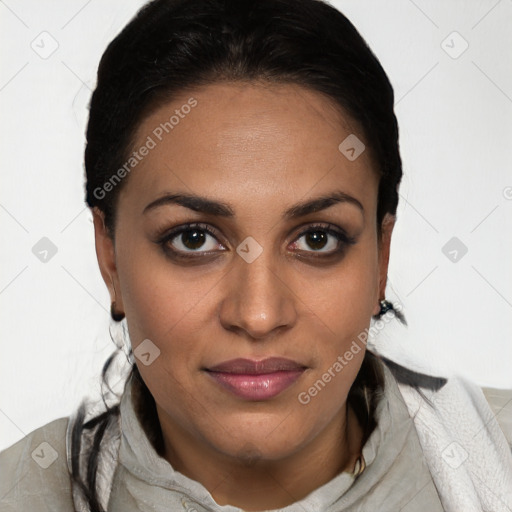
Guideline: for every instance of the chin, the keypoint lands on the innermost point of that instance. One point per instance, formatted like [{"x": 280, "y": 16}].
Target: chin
[
  {"x": 249, "y": 450},
  {"x": 254, "y": 442}
]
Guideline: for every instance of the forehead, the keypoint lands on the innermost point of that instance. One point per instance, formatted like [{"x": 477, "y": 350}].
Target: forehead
[{"x": 268, "y": 142}]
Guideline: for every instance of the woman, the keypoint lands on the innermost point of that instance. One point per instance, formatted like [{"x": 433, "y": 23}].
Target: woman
[{"x": 242, "y": 168}]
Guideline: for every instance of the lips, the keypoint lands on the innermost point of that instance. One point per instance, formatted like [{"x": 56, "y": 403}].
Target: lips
[
  {"x": 249, "y": 367},
  {"x": 256, "y": 380}
]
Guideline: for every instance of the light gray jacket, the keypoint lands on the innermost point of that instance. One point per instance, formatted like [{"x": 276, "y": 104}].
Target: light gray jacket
[{"x": 414, "y": 462}]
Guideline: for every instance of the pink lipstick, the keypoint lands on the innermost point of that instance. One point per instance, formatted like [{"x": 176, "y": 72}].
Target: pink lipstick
[{"x": 256, "y": 380}]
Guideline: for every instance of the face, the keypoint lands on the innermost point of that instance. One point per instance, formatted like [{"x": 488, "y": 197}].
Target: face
[{"x": 226, "y": 248}]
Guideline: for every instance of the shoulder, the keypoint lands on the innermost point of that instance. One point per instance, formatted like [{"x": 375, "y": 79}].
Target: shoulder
[
  {"x": 500, "y": 401},
  {"x": 450, "y": 393},
  {"x": 35, "y": 473}
]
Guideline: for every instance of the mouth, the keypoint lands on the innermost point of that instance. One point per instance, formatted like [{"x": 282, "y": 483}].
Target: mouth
[{"x": 256, "y": 380}]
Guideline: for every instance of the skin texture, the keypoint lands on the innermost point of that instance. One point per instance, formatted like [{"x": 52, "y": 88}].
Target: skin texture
[{"x": 260, "y": 148}]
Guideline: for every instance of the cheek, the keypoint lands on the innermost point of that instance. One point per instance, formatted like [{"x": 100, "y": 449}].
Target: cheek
[
  {"x": 165, "y": 307},
  {"x": 346, "y": 298},
  {"x": 160, "y": 299},
  {"x": 343, "y": 305}
]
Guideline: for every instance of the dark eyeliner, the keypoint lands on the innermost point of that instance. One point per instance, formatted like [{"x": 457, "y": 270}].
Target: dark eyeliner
[
  {"x": 332, "y": 230},
  {"x": 343, "y": 238},
  {"x": 164, "y": 239}
]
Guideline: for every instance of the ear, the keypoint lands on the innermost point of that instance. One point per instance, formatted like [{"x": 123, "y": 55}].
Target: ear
[
  {"x": 388, "y": 224},
  {"x": 105, "y": 252}
]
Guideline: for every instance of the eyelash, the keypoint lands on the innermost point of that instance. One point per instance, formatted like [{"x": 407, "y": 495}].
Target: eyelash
[{"x": 163, "y": 240}]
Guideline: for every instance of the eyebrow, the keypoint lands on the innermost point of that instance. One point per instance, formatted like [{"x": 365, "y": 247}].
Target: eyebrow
[{"x": 220, "y": 209}]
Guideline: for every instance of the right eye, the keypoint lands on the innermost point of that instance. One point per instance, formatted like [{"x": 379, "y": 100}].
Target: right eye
[{"x": 190, "y": 240}]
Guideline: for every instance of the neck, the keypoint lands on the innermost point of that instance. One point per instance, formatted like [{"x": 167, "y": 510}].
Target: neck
[{"x": 258, "y": 484}]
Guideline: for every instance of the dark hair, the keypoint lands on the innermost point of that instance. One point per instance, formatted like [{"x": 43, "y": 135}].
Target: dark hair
[{"x": 172, "y": 46}]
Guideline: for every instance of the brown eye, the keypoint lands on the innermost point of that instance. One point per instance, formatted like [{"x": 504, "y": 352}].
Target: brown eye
[
  {"x": 193, "y": 239},
  {"x": 316, "y": 239},
  {"x": 190, "y": 240},
  {"x": 323, "y": 239}
]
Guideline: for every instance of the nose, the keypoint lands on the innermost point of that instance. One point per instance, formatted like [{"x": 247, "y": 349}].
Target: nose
[{"x": 258, "y": 302}]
